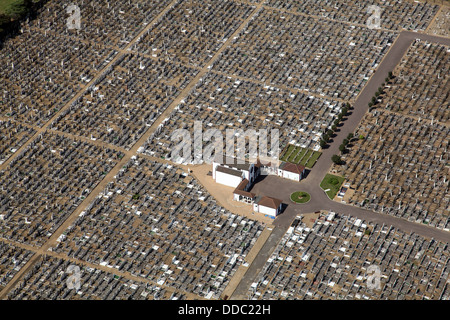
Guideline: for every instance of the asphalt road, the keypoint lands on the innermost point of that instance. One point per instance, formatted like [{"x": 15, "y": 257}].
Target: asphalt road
[{"x": 282, "y": 188}]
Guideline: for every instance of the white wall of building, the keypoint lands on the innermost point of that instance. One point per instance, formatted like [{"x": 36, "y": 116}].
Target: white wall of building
[
  {"x": 264, "y": 210},
  {"x": 227, "y": 179},
  {"x": 289, "y": 175}
]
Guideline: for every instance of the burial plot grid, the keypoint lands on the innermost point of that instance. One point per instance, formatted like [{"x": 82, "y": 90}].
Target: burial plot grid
[
  {"x": 40, "y": 73},
  {"x": 394, "y": 15},
  {"x": 12, "y": 136},
  {"x": 327, "y": 58},
  {"x": 331, "y": 260},
  {"x": 400, "y": 168},
  {"x": 421, "y": 85},
  {"x": 156, "y": 222},
  {"x": 48, "y": 279},
  {"x": 192, "y": 31},
  {"x": 223, "y": 102},
  {"x": 120, "y": 107},
  {"x": 12, "y": 259},
  {"x": 46, "y": 182},
  {"x": 107, "y": 22}
]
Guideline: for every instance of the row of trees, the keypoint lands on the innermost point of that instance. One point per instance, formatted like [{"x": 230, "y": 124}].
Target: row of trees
[
  {"x": 329, "y": 132},
  {"x": 380, "y": 90},
  {"x": 343, "y": 147}
]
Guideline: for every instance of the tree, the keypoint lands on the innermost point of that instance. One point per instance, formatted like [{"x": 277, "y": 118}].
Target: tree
[
  {"x": 373, "y": 100},
  {"x": 336, "y": 159},
  {"x": 386, "y": 79},
  {"x": 136, "y": 196},
  {"x": 350, "y": 136},
  {"x": 344, "y": 111},
  {"x": 336, "y": 122},
  {"x": 342, "y": 147},
  {"x": 390, "y": 75},
  {"x": 334, "y": 127},
  {"x": 329, "y": 133},
  {"x": 345, "y": 142},
  {"x": 325, "y": 137},
  {"x": 322, "y": 143},
  {"x": 370, "y": 104}
]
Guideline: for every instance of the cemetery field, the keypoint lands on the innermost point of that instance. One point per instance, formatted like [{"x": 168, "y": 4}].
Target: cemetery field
[{"x": 299, "y": 155}]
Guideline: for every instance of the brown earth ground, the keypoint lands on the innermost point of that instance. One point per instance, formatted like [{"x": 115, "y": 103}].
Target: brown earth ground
[{"x": 224, "y": 194}]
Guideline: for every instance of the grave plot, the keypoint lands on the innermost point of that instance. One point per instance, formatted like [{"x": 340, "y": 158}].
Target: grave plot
[
  {"x": 12, "y": 137},
  {"x": 223, "y": 102},
  {"x": 334, "y": 260},
  {"x": 156, "y": 222},
  {"x": 40, "y": 73},
  {"x": 400, "y": 167},
  {"x": 12, "y": 259},
  {"x": 121, "y": 107},
  {"x": 192, "y": 31},
  {"x": 44, "y": 184},
  {"x": 110, "y": 23},
  {"x": 421, "y": 86},
  {"x": 323, "y": 57},
  {"x": 394, "y": 15},
  {"x": 48, "y": 278}
]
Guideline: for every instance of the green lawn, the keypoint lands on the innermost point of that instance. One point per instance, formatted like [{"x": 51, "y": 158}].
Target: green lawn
[
  {"x": 306, "y": 157},
  {"x": 298, "y": 155},
  {"x": 287, "y": 153},
  {"x": 293, "y": 155},
  {"x": 8, "y": 6},
  {"x": 300, "y": 197},
  {"x": 333, "y": 183},
  {"x": 313, "y": 159}
]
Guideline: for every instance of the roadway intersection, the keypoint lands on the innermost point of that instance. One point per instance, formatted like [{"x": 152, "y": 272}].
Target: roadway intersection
[{"x": 282, "y": 188}]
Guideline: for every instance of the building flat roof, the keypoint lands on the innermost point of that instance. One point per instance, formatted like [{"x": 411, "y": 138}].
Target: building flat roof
[
  {"x": 229, "y": 171},
  {"x": 233, "y": 163}
]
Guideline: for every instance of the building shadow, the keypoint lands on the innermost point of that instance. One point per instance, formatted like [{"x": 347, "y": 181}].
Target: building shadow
[
  {"x": 259, "y": 179},
  {"x": 283, "y": 208},
  {"x": 307, "y": 171}
]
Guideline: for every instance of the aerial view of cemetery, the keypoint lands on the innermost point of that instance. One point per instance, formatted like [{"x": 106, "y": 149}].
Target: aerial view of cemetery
[{"x": 224, "y": 150}]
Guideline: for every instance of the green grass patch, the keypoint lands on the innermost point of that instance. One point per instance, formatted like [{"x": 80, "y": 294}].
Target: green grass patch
[
  {"x": 300, "y": 197},
  {"x": 333, "y": 183},
  {"x": 293, "y": 155},
  {"x": 306, "y": 157},
  {"x": 8, "y": 7},
  {"x": 286, "y": 154},
  {"x": 316, "y": 155},
  {"x": 299, "y": 155}
]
